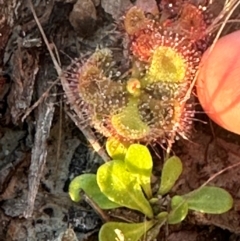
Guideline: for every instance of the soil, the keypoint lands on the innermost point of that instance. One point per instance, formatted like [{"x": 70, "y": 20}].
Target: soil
[{"x": 41, "y": 148}]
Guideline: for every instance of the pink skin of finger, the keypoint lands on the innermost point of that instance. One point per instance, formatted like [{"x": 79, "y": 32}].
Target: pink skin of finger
[{"x": 218, "y": 83}]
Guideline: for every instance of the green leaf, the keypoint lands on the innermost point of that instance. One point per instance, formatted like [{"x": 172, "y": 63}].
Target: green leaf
[
  {"x": 114, "y": 231},
  {"x": 128, "y": 123},
  {"x": 139, "y": 162},
  {"x": 214, "y": 200},
  {"x": 172, "y": 169},
  {"x": 162, "y": 217},
  {"x": 121, "y": 187},
  {"x": 179, "y": 210},
  {"x": 153, "y": 200},
  {"x": 116, "y": 149},
  {"x": 88, "y": 183}
]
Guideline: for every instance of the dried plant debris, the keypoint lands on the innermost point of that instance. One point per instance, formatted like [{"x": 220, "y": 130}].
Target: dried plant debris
[
  {"x": 6, "y": 23},
  {"x": 25, "y": 69},
  {"x": 56, "y": 171},
  {"x": 68, "y": 235},
  {"x": 11, "y": 157},
  {"x": 39, "y": 154},
  {"x": 84, "y": 221},
  {"x": 83, "y": 17},
  {"x": 146, "y": 101},
  {"x": 148, "y": 6},
  {"x": 53, "y": 210},
  {"x": 116, "y": 8},
  {"x": 115, "y": 86}
]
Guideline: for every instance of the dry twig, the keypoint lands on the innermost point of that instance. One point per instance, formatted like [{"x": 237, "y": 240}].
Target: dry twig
[{"x": 44, "y": 120}]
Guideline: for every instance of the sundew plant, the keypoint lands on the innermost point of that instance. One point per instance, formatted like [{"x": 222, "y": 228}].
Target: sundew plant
[{"x": 141, "y": 97}]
